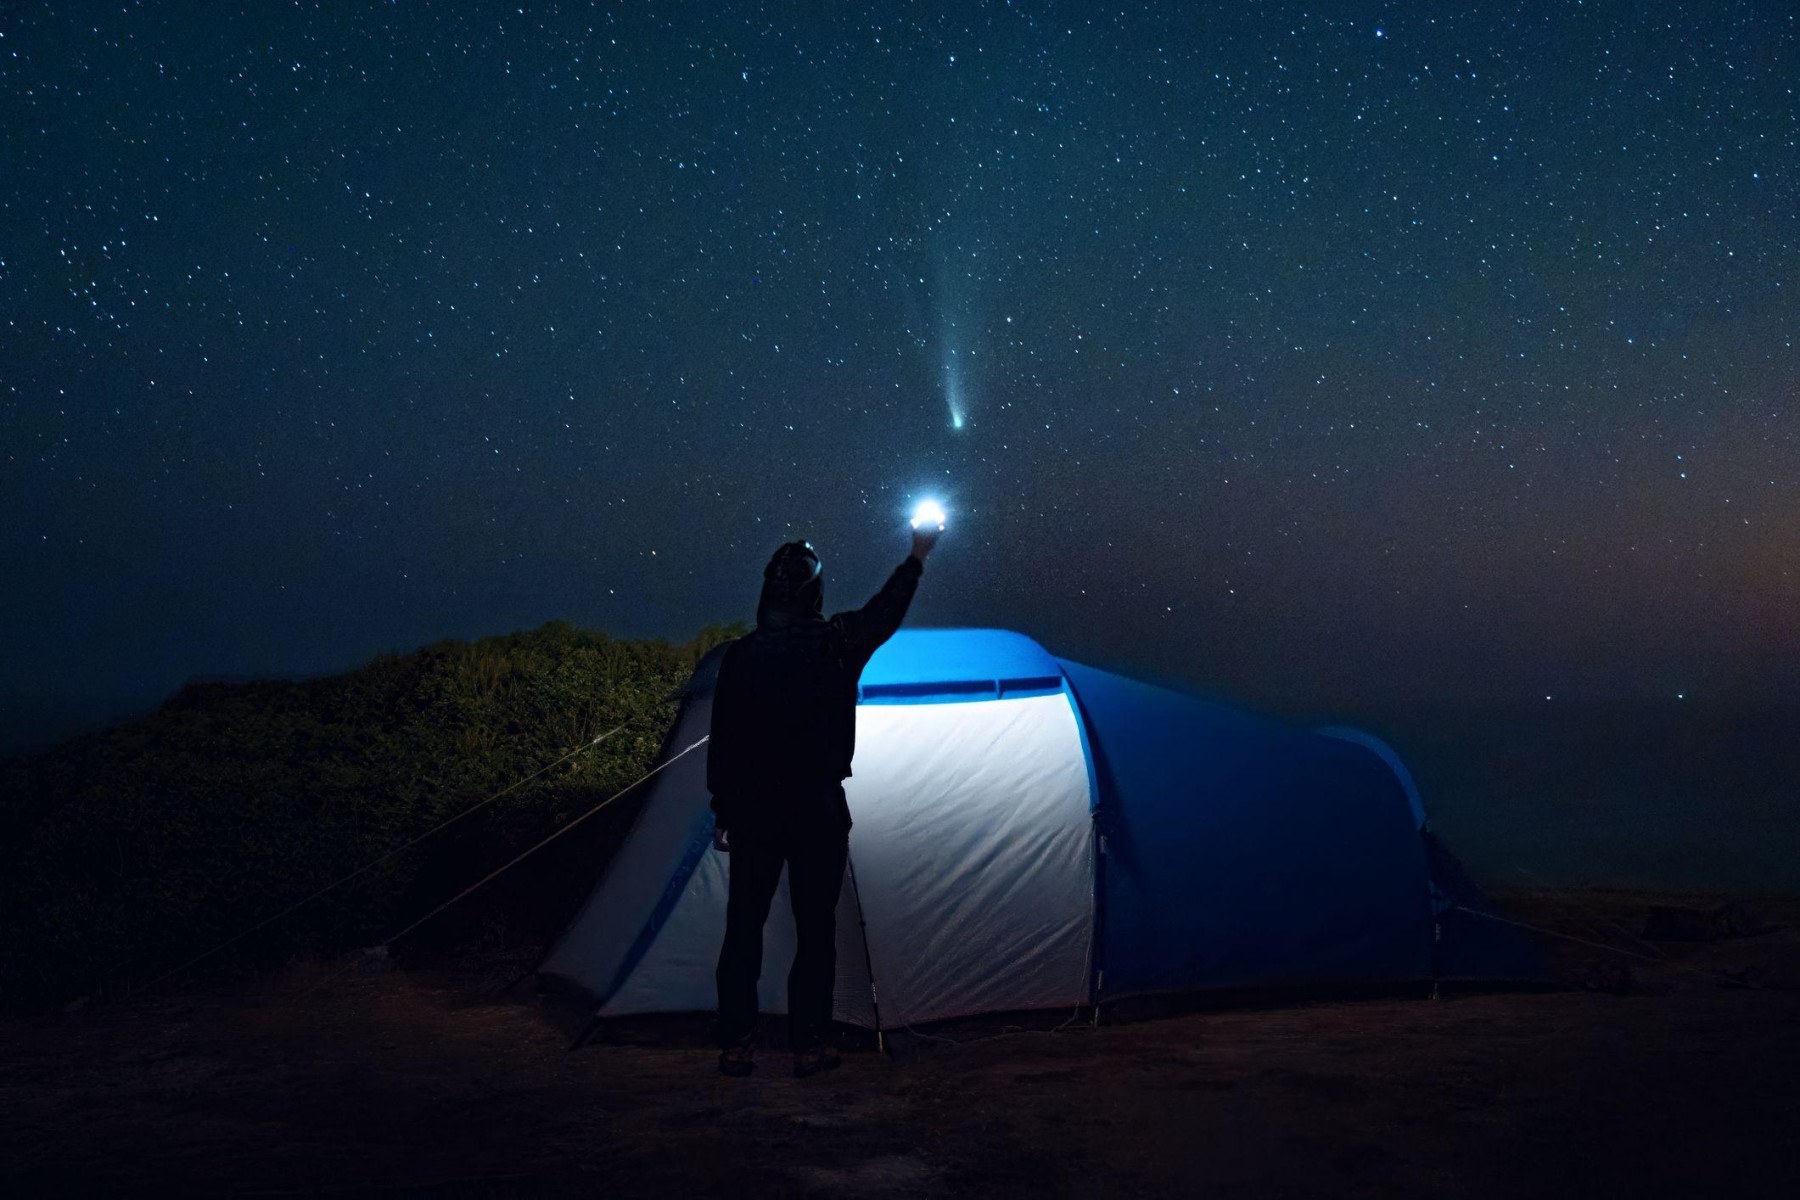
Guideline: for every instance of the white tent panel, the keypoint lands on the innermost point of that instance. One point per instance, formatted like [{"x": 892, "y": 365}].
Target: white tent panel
[
  {"x": 676, "y": 973},
  {"x": 973, "y": 848},
  {"x": 599, "y": 941}
]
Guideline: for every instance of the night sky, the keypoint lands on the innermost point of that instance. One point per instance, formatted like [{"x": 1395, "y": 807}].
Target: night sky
[{"x": 1358, "y": 352}]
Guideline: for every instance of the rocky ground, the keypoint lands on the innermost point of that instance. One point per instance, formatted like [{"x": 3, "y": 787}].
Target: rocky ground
[{"x": 1672, "y": 1074}]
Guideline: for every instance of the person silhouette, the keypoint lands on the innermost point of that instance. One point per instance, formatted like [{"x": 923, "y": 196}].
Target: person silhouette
[{"x": 783, "y": 735}]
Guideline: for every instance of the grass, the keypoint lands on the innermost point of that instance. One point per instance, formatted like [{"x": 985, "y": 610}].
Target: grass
[{"x": 128, "y": 851}]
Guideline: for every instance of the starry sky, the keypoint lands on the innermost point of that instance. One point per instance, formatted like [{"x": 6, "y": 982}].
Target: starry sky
[{"x": 1306, "y": 354}]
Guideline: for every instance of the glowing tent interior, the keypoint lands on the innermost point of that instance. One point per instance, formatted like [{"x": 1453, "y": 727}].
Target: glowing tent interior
[{"x": 1032, "y": 833}]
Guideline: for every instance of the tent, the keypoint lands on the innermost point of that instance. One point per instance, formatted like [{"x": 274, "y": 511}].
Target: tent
[{"x": 1031, "y": 833}]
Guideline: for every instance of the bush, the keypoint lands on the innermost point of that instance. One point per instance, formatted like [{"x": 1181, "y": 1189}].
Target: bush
[{"x": 127, "y": 852}]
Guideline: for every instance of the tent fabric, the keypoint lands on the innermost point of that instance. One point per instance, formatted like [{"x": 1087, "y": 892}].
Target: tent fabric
[
  {"x": 973, "y": 874},
  {"x": 675, "y": 974},
  {"x": 973, "y": 848},
  {"x": 1031, "y": 833},
  {"x": 1391, "y": 758},
  {"x": 922, "y": 665},
  {"x": 628, "y": 906},
  {"x": 1242, "y": 852}
]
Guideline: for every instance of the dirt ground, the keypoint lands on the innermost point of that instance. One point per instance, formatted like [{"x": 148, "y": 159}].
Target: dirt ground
[{"x": 1679, "y": 1078}]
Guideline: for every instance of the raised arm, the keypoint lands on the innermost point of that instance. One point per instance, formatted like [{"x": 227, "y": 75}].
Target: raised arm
[{"x": 867, "y": 627}]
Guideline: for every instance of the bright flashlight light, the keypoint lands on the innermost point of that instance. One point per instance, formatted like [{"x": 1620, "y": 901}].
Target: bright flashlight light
[{"x": 929, "y": 512}]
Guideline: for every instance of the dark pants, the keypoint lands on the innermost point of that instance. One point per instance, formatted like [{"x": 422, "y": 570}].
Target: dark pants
[{"x": 814, "y": 851}]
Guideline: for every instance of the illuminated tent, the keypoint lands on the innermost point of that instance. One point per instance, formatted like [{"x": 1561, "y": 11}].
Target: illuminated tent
[{"x": 1032, "y": 833}]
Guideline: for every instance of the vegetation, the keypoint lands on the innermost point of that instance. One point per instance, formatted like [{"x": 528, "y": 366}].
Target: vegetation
[{"x": 127, "y": 852}]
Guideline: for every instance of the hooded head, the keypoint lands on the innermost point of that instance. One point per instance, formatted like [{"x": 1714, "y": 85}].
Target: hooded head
[{"x": 793, "y": 585}]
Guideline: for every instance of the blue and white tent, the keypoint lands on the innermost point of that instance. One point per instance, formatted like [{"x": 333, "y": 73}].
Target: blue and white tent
[{"x": 1032, "y": 833}]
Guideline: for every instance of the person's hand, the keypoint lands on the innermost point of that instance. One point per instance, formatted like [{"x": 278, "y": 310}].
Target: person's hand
[
  {"x": 924, "y": 538},
  {"x": 721, "y": 840}
]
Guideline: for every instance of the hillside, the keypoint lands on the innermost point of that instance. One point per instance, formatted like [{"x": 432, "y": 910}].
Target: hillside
[{"x": 128, "y": 851}]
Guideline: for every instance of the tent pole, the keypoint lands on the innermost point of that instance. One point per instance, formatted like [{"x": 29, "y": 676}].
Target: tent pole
[
  {"x": 1096, "y": 915},
  {"x": 862, "y": 926},
  {"x": 1437, "y": 938}
]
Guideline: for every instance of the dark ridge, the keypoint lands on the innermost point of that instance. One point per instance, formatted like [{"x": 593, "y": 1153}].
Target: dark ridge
[{"x": 127, "y": 851}]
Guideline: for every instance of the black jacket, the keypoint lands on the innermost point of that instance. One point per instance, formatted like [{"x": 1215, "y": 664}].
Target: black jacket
[{"x": 784, "y": 708}]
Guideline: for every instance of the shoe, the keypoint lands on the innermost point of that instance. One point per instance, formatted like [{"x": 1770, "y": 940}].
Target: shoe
[
  {"x": 737, "y": 1061},
  {"x": 812, "y": 1062}
]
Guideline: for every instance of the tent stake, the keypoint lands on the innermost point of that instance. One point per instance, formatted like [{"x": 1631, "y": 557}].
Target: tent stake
[
  {"x": 582, "y": 1037},
  {"x": 521, "y": 977}
]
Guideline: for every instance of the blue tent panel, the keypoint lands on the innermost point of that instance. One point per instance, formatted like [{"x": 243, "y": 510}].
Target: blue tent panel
[
  {"x": 1391, "y": 757},
  {"x": 957, "y": 664},
  {"x": 1241, "y": 852}
]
